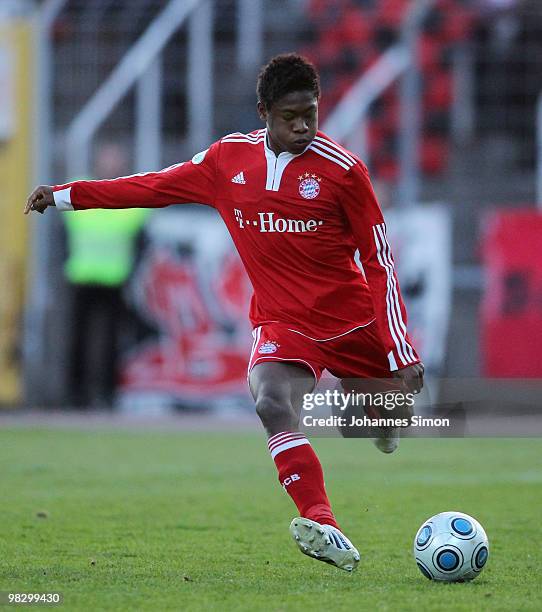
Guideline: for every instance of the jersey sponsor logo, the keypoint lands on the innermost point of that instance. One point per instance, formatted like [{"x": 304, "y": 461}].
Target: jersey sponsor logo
[
  {"x": 309, "y": 186},
  {"x": 199, "y": 157},
  {"x": 239, "y": 217},
  {"x": 268, "y": 347},
  {"x": 289, "y": 479},
  {"x": 239, "y": 178},
  {"x": 267, "y": 222}
]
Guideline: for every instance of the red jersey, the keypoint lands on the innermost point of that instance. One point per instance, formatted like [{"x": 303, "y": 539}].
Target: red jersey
[{"x": 296, "y": 221}]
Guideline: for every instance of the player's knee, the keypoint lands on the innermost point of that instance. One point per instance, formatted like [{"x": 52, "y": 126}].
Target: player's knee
[{"x": 273, "y": 409}]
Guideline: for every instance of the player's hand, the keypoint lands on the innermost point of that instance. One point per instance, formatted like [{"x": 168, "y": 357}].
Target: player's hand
[
  {"x": 411, "y": 377},
  {"x": 39, "y": 199}
]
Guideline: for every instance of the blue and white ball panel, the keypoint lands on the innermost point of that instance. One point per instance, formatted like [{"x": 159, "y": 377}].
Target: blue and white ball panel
[
  {"x": 480, "y": 557},
  {"x": 448, "y": 559},
  {"x": 423, "y": 537},
  {"x": 451, "y": 547},
  {"x": 424, "y": 569},
  {"x": 463, "y": 527}
]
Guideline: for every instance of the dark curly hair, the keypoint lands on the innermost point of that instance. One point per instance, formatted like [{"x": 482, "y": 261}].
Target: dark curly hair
[{"x": 284, "y": 74}]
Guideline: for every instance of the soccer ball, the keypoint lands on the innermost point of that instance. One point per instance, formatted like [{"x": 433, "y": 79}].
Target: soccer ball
[{"x": 452, "y": 547}]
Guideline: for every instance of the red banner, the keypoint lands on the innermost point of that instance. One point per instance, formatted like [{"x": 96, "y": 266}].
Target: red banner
[
  {"x": 191, "y": 289},
  {"x": 511, "y": 313}
]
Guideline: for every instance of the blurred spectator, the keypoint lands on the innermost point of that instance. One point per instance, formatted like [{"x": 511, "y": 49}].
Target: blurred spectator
[{"x": 101, "y": 251}]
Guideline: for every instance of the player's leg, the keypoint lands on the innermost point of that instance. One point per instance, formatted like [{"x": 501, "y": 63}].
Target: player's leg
[
  {"x": 359, "y": 361},
  {"x": 278, "y": 389},
  {"x": 373, "y": 401}
]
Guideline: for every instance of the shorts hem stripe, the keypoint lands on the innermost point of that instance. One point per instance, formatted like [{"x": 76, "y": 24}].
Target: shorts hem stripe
[
  {"x": 284, "y": 359},
  {"x": 332, "y": 337}
]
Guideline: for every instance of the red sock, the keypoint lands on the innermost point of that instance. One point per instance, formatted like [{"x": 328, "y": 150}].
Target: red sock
[{"x": 300, "y": 473}]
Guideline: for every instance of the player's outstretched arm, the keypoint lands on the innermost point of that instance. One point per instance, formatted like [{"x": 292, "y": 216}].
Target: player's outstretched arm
[
  {"x": 369, "y": 231},
  {"x": 39, "y": 199},
  {"x": 183, "y": 183}
]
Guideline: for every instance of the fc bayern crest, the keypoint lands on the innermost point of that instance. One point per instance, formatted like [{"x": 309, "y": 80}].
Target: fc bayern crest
[
  {"x": 309, "y": 187},
  {"x": 268, "y": 347}
]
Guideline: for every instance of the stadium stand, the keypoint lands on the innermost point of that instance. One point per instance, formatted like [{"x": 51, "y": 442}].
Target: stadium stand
[{"x": 347, "y": 38}]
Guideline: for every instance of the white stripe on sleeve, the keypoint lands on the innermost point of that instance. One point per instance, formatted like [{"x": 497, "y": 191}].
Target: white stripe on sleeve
[
  {"x": 409, "y": 352},
  {"x": 392, "y": 302},
  {"x": 333, "y": 158}
]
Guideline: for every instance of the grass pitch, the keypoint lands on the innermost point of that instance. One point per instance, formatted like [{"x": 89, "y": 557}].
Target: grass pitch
[{"x": 186, "y": 521}]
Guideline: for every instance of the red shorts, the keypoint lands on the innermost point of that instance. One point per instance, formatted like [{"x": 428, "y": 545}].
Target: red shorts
[{"x": 356, "y": 354}]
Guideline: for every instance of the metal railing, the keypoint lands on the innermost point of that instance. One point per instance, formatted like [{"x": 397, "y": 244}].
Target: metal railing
[
  {"x": 250, "y": 35},
  {"x": 411, "y": 106},
  {"x": 348, "y": 121},
  {"x": 90, "y": 90},
  {"x": 133, "y": 68},
  {"x": 45, "y": 18},
  {"x": 39, "y": 301}
]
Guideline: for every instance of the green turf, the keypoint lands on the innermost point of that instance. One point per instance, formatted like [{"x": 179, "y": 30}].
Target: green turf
[{"x": 172, "y": 521}]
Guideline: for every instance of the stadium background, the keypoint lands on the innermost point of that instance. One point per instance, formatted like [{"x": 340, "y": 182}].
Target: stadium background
[
  {"x": 441, "y": 98},
  {"x": 438, "y": 97}
]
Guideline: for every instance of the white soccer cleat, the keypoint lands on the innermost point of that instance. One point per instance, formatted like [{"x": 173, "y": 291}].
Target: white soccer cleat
[
  {"x": 325, "y": 543},
  {"x": 386, "y": 439}
]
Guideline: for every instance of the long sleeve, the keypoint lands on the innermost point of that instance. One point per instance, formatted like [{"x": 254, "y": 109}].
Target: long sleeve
[
  {"x": 369, "y": 231},
  {"x": 187, "y": 182}
]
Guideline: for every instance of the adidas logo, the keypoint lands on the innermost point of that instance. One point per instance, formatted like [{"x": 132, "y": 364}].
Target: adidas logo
[{"x": 239, "y": 179}]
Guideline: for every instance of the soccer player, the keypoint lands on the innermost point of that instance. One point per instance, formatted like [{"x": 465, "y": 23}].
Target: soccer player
[{"x": 297, "y": 206}]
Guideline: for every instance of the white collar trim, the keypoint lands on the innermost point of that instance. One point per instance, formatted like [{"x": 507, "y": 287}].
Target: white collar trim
[{"x": 276, "y": 164}]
